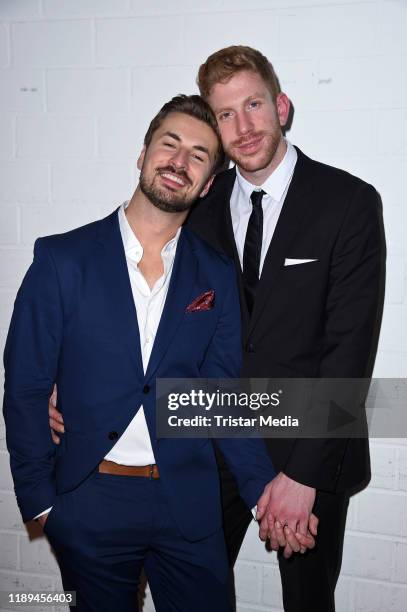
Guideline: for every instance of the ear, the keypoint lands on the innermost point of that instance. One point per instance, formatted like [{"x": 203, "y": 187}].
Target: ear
[
  {"x": 141, "y": 157},
  {"x": 207, "y": 186},
  {"x": 283, "y": 108}
]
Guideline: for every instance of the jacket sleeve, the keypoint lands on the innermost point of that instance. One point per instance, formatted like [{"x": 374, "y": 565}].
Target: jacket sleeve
[
  {"x": 31, "y": 362},
  {"x": 350, "y": 328},
  {"x": 247, "y": 458}
]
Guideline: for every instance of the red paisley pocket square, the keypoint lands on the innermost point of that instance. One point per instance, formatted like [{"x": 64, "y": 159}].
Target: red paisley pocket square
[{"x": 205, "y": 301}]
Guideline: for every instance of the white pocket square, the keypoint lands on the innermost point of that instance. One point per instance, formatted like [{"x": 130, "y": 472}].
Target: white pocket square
[{"x": 295, "y": 262}]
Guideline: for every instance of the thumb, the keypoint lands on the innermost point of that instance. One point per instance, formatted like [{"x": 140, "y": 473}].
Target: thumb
[
  {"x": 262, "y": 504},
  {"x": 260, "y": 509},
  {"x": 313, "y": 524}
]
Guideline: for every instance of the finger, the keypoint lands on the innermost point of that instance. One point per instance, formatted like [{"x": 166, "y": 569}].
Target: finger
[
  {"x": 279, "y": 530},
  {"x": 263, "y": 529},
  {"x": 274, "y": 545},
  {"x": 291, "y": 539},
  {"x": 260, "y": 513},
  {"x": 313, "y": 524},
  {"x": 303, "y": 526},
  {"x": 56, "y": 426},
  {"x": 55, "y": 438},
  {"x": 305, "y": 541},
  {"x": 261, "y": 507},
  {"x": 55, "y": 414},
  {"x": 288, "y": 551},
  {"x": 273, "y": 539}
]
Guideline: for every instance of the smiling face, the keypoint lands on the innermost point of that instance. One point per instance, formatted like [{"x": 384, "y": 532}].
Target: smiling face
[
  {"x": 176, "y": 167},
  {"x": 250, "y": 123}
]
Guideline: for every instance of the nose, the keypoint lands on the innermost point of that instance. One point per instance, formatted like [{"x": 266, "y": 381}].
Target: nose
[
  {"x": 180, "y": 158},
  {"x": 243, "y": 123}
]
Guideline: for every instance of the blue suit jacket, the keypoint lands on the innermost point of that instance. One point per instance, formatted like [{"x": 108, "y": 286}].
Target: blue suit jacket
[{"x": 75, "y": 323}]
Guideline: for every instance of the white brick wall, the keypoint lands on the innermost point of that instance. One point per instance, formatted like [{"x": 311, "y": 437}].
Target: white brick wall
[
  {"x": 124, "y": 42},
  {"x": 51, "y": 43},
  {"x": 80, "y": 80},
  {"x": 22, "y": 90},
  {"x": 90, "y": 90},
  {"x": 52, "y": 136},
  {"x": 23, "y": 182}
]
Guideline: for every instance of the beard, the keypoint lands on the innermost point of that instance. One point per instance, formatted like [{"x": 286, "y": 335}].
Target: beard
[
  {"x": 259, "y": 160},
  {"x": 164, "y": 198}
]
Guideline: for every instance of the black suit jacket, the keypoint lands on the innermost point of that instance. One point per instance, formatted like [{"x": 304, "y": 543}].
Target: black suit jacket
[{"x": 311, "y": 320}]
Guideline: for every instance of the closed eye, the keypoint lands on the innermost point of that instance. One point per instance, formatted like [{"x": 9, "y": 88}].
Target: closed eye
[{"x": 224, "y": 116}]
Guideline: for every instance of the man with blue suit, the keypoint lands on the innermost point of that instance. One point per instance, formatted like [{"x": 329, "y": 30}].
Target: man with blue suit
[{"x": 103, "y": 311}]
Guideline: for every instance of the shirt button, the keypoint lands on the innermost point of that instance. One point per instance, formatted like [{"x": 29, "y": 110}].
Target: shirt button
[
  {"x": 113, "y": 435},
  {"x": 146, "y": 389},
  {"x": 147, "y": 340}
]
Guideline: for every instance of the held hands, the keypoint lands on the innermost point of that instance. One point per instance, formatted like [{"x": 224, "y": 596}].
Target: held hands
[{"x": 285, "y": 515}]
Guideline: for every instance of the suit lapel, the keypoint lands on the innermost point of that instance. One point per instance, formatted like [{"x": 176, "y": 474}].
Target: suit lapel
[
  {"x": 119, "y": 303},
  {"x": 178, "y": 297},
  {"x": 289, "y": 223}
]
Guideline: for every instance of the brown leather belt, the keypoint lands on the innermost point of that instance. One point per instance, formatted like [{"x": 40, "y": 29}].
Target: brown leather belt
[{"x": 143, "y": 471}]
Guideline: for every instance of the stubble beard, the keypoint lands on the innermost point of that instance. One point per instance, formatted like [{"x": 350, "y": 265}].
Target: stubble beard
[
  {"x": 260, "y": 160},
  {"x": 164, "y": 199}
]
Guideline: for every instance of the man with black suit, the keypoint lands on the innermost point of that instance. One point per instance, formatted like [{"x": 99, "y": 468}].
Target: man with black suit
[
  {"x": 306, "y": 241},
  {"x": 103, "y": 311}
]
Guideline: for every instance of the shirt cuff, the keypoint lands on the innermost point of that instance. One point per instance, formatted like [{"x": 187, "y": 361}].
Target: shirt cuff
[
  {"x": 254, "y": 512},
  {"x": 42, "y": 513}
]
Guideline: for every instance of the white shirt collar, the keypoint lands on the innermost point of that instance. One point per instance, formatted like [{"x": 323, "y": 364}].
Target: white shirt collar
[
  {"x": 276, "y": 184},
  {"x": 132, "y": 245}
]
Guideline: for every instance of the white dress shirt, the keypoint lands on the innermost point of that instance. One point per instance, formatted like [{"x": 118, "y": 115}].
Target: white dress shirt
[
  {"x": 275, "y": 187},
  {"x": 134, "y": 446}
]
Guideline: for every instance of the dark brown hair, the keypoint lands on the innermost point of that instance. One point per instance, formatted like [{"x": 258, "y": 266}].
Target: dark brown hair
[
  {"x": 222, "y": 65},
  {"x": 194, "y": 106}
]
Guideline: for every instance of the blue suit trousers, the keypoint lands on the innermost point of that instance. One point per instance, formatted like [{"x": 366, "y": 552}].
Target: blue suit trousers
[{"x": 110, "y": 527}]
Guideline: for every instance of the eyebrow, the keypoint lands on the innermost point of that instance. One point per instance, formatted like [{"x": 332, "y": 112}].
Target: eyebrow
[
  {"x": 178, "y": 139},
  {"x": 253, "y": 96},
  {"x": 172, "y": 135},
  {"x": 256, "y": 94}
]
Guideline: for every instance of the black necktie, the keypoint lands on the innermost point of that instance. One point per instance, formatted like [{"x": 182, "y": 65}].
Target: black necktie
[{"x": 252, "y": 249}]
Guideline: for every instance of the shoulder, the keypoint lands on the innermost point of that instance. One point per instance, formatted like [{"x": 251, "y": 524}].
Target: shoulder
[
  {"x": 338, "y": 183},
  {"x": 223, "y": 179},
  {"x": 207, "y": 217},
  {"x": 75, "y": 241}
]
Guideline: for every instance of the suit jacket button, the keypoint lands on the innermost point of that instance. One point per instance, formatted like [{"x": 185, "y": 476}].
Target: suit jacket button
[
  {"x": 250, "y": 347},
  {"x": 113, "y": 435},
  {"x": 146, "y": 389}
]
